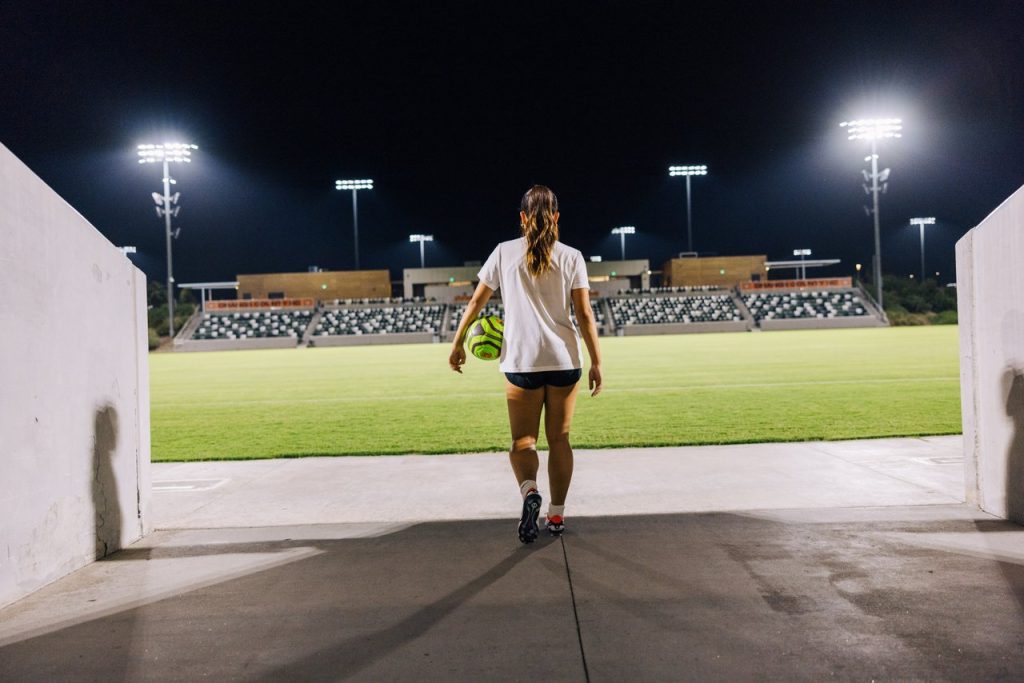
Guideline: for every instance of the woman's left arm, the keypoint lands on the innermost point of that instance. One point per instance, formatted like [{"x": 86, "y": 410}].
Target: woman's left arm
[{"x": 481, "y": 296}]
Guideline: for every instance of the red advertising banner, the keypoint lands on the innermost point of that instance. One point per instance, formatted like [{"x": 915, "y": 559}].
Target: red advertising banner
[
  {"x": 250, "y": 304},
  {"x": 824, "y": 283}
]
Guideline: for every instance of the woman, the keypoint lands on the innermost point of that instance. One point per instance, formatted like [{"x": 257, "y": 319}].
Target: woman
[{"x": 538, "y": 277}]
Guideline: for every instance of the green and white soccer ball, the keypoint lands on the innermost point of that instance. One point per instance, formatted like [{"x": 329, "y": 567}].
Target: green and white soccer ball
[{"x": 485, "y": 337}]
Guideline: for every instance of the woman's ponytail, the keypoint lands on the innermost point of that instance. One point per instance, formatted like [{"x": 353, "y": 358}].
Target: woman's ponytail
[{"x": 540, "y": 228}]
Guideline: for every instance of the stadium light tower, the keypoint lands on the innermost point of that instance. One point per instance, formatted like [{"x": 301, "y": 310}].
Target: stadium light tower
[
  {"x": 688, "y": 171},
  {"x": 355, "y": 186},
  {"x": 921, "y": 222},
  {"x": 421, "y": 239},
  {"x": 802, "y": 253},
  {"x": 167, "y": 204},
  {"x": 874, "y": 130},
  {"x": 622, "y": 232}
]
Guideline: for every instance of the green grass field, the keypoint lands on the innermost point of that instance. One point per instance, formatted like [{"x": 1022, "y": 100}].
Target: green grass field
[{"x": 660, "y": 390}]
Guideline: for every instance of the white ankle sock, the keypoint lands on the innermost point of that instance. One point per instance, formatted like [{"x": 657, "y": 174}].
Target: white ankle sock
[
  {"x": 556, "y": 511},
  {"x": 526, "y": 486}
]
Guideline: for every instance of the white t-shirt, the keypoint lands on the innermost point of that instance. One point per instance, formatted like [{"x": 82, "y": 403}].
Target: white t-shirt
[{"x": 539, "y": 334}]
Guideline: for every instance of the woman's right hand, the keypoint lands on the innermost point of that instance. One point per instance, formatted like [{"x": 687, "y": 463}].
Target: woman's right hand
[
  {"x": 595, "y": 380},
  {"x": 457, "y": 358}
]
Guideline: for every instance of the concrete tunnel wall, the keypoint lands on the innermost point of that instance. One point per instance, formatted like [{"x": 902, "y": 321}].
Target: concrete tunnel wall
[
  {"x": 990, "y": 302},
  {"x": 74, "y": 389}
]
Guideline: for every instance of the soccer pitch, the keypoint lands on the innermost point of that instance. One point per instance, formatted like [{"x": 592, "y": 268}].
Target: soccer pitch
[{"x": 659, "y": 391}]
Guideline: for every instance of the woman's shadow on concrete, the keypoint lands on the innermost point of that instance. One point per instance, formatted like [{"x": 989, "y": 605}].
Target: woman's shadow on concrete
[{"x": 106, "y": 505}]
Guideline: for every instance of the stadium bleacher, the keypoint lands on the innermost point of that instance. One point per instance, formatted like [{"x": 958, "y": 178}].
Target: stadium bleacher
[
  {"x": 822, "y": 304},
  {"x": 662, "y": 310},
  {"x": 653, "y": 310},
  {"x": 253, "y": 325},
  {"x": 380, "y": 320}
]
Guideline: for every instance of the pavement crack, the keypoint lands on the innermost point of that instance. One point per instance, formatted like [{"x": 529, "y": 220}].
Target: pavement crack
[{"x": 575, "y": 613}]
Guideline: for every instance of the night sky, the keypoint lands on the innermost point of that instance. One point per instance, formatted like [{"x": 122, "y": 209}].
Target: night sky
[{"x": 456, "y": 109}]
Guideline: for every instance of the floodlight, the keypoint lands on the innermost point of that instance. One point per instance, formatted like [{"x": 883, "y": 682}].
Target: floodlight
[
  {"x": 421, "y": 239},
  {"x": 167, "y": 153},
  {"x": 355, "y": 186},
  {"x": 801, "y": 252},
  {"x": 873, "y": 129},
  {"x": 688, "y": 172},
  {"x": 921, "y": 222},
  {"x": 363, "y": 184},
  {"x": 622, "y": 232}
]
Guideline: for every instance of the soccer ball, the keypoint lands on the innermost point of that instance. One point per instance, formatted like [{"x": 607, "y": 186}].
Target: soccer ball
[{"x": 485, "y": 337}]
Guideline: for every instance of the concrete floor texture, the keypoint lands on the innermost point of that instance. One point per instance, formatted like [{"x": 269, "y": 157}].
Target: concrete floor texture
[{"x": 844, "y": 560}]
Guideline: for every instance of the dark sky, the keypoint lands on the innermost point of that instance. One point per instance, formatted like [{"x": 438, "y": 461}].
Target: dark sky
[{"x": 455, "y": 109}]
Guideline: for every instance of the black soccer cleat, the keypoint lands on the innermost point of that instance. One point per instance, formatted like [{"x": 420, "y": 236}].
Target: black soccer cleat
[
  {"x": 555, "y": 525},
  {"x": 528, "y": 528}
]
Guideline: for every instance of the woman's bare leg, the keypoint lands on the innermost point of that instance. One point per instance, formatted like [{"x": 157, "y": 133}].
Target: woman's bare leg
[
  {"x": 524, "y": 408},
  {"x": 559, "y": 403}
]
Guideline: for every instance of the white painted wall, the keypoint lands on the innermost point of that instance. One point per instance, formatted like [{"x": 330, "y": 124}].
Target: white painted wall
[
  {"x": 74, "y": 389},
  {"x": 990, "y": 302}
]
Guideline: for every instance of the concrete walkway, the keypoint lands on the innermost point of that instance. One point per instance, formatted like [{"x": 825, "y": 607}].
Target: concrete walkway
[
  {"x": 853, "y": 561},
  {"x": 416, "y": 488}
]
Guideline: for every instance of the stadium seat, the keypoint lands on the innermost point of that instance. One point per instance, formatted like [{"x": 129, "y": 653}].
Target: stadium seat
[
  {"x": 653, "y": 310},
  {"x": 254, "y": 324},
  {"x": 823, "y": 304},
  {"x": 384, "y": 320}
]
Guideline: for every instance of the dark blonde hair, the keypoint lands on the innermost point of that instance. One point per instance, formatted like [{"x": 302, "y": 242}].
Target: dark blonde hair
[{"x": 540, "y": 227}]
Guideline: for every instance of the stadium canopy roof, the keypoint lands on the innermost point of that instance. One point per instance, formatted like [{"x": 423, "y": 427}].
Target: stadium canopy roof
[
  {"x": 208, "y": 285},
  {"x": 205, "y": 289},
  {"x": 809, "y": 263}
]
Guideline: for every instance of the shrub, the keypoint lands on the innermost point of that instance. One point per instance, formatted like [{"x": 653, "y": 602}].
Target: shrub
[
  {"x": 945, "y": 318},
  {"x": 899, "y": 316},
  {"x": 154, "y": 339}
]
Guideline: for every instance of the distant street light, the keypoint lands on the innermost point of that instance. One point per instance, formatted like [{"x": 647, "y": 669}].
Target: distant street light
[
  {"x": 688, "y": 171},
  {"x": 355, "y": 186},
  {"x": 874, "y": 130},
  {"x": 421, "y": 239},
  {"x": 168, "y": 153},
  {"x": 921, "y": 222},
  {"x": 622, "y": 232},
  {"x": 802, "y": 253}
]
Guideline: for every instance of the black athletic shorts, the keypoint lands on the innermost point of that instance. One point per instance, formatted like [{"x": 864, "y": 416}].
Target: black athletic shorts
[{"x": 535, "y": 380}]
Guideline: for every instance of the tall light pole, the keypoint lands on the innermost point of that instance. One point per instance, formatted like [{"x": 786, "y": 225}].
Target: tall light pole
[
  {"x": 874, "y": 130},
  {"x": 802, "y": 253},
  {"x": 687, "y": 172},
  {"x": 421, "y": 239},
  {"x": 622, "y": 232},
  {"x": 921, "y": 222},
  {"x": 355, "y": 186},
  {"x": 166, "y": 204}
]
